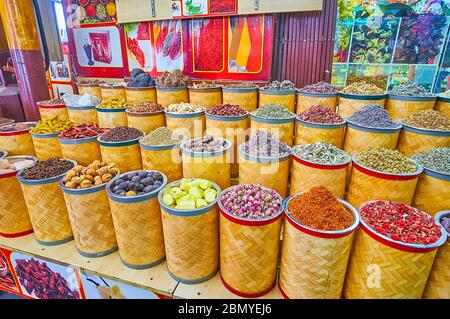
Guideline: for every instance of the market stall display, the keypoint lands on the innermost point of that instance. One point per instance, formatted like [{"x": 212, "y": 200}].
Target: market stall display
[
  {"x": 280, "y": 93},
  {"x": 321, "y": 93},
  {"x": 51, "y": 108},
  {"x": 113, "y": 90},
  {"x": 81, "y": 108},
  {"x": 244, "y": 94},
  {"x": 140, "y": 88},
  {"x": 146, "y": 116},
  {"x": 111, "y": 112},
  {"x": 91, "y": 87},
  {"x": 357, "y": 95},
  {"x": 16, "y": 139},
  {"x": 186, "y": 119},
  {"x": 205, "y": 94},
  {"x": 171, "y": 88}
]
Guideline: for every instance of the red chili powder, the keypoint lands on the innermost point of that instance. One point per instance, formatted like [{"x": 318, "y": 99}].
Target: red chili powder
[{"x": 318, "y": 208}]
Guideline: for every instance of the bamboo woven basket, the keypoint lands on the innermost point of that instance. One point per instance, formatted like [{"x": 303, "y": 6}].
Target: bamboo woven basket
[
  {"x": 432, "y": 192},
  {"x": 246, "y": 98},
  {"x": 83, "y": 150},
  {"x": 113, "y": 91},
  {"x": 400, "y": 107},
  {"x": 163, "y": 158},
  {"x": 443, "y": 105},
  {"x": 349, "y": 103},
  {"x": 167, "y": 96},
  {"x": 47, "y": 146},
  {"x": 270, "y": 172},
  {"x": 249, "y": 252},
  {"x": 414, "y": 140},
  {"x": 205, "y": 97},
  {"x": 233, "y": 128},
  {"x": 14, "y": 219},
  {"x": 90, "y": 217},
  {"x": 284, "y": 98},
  {"x": 281, "y": 128},
  {"x": 309, "y": 133},
  {"x": 110, "y": 118},
  {"x": 140, "y": 95},
  {"x": 306, "y": 175},
  {"x": 192, "y": 241},
  {"x": 146, "y": 121},
  {"x": 358, "y": 137},
  {"x": 367, "y": 184},
  {"x": 314, "y": 262},
  {"x": 47, "y": 209},
  {"x": 82, "y": 114},
  {"x": 306, "y": 100},
  {"x": 438, "y": 285},
  {"x": 49, "y": 111},
  {"x": 90, "y": 89},
  {"x": 138, "y": 226},
  {"x": 213, "y": 166},
  {"x": 17, "y": 142},
  {"x": 382, "y": 268},
  {"x": 126, "y": 155},
  {"x": 189, "y": 125}
]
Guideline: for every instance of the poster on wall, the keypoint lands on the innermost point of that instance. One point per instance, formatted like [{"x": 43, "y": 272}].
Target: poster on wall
[
  {"x": 139, "y": 46},
  {"x": 208, "y": 44},
  {"x": 196, "y": 8},
  {"x": 168, "y": 44},
  {"x": 91, "y": 11},
  {"x": 60, "y": 70},
  {"x": 8, "y": 281}
]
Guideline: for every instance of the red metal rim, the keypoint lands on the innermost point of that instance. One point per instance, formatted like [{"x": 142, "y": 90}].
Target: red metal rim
[
  {"x": 59, "y": 106},
  {"x": 7, "y": 175},
  {"x": 384, "y": 175},
  {"x": 250, "y": 222},
  {"x": 12, "y": 133},
  {"x": 320, "y": 166},
  {"x": 282, "y": 292},
  {"x": 243, "y": 294},
  {"x": 24, "y": 233}
]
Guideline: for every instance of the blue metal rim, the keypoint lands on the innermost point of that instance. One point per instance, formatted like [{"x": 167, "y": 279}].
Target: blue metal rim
[
  {"x": 263, "y": 159},
  {"x": 443, "y": 99},
  {"x": 187, "y": 152},
  {"x": 184, "y": 115},
  {"x": 226, "y": 118},
  {"x": 193, "y": 281},
  {"x": 110, "y": 110},
  {"x": 99, "y": 254},
  {"x": 373, "y": 129},
  {"x": 146, "y": 266},
  {"x": 179, "y": 88},
  {"x": 90, "y": 190},
  {"x": 445, "y": 177},
  {"x": 321, "y": 125},
  {"x": 66, "y": 141},
  {"x": 48, "y": 135},
  {"x": 438, "y": 217},
  {"x": 272, "y": 121},
  {"x": 159, "y": 147},
  {"x": 300, "y": 92},
  {"x": 118, "y": 144},
  {"x": 363, "y": 97},
  {"x": 410, "y": 98},
  {"x": 43, "y": 181},
  {"x": 81, "y": 108},
  {"x": 273, "y": 92},
  {"x": 417, "y": 130},
  {"x": 55, "y": 243},
  {"x": 239, "y": 90}
]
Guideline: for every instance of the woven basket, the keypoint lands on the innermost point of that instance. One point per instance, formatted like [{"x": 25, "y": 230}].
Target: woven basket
[
  {"x": 358, "y": 138},
  {"x": 83, "y": 150},
  {"x": 139, "y": 95},
  {"x": 90, "y": 217},
  {"x": 47, "y": 210},
  {"x": 17, "y": 142},
  {"x": 249, "y": 253},
  {"x": 432, "y": 192},
  {"x": 49, "y": 111},
  {"x": 414, "y": 140},
  {"x": 306, "y": 100},
  {"x": 400, "y": 107},
  {"x": 349, "y": 103},
  {"x": 269, "y": 172},
  {"x": 167, "y": 96},
  {"x": 246, "y": 98},
  {"x": 438, "y": 285},
  {"x": 163, "y": 158},
  {"x": 205, "y": 97},
  {"x": 232, "y": 128},
  {"x": 192, "y": 241},
  {"x": 47, "y": 146},
  {"x": 189, "y": 125},
  {"x": 306, "y": 175},
  {"x": 382, "y": 268},
  {"x": 82, "y": 114},
  {"x": 109, "y": 92},
  {"x": 213, "y": 166},
  {"x": 126, "y": 155},
  {"x": 314, "y": 262},
  {"x": 138, "y": 226},
  {"x": 89, "y": 89},
  {"x": 146, "y": 121},
  {"x": 309, "y": 133},
  {"x": 110, "y": 118},
  {"x": 283, "y": 98},
  {"x": 281, "y": 128},
  {"x": 14, "y": 219},
  {"x": 443, "y": 105}
]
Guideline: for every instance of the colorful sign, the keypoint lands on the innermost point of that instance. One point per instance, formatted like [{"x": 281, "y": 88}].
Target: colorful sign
[
  {"x": 8, "y": 281},
  {"x": 203, "y": 8}
]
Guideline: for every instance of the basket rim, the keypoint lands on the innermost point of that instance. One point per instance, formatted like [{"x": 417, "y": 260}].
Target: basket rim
[
  {"x": 389, "y": 175},
  {"x": 322, "y": 165},
  {"x": 410, "y": 98},
  {"x": 42, "y": 105},
  {"x": 438, "y": 217},
  {"x": 185, "y": 115},
  {"x": 443, "y": 98},
  {"x": 45, "y": 135},
  {"x": 424, "y": 131},
  {"x": 168, "y": 88},
  {"x": 363, "y": 96},
  {"x": 160, "y": 147},
  {"x": 277, "y": 92},
  {"x": 66, "y": 141},
  {"x": 190, "y": 153},
  {"x": 263, "y": 159},
  {"x": 321, "y": 125},
  {"x": 121, "y": 143},
  {"x": 26, "y": 157},
  {"x": 227, "y": 118},
  {"x": 110, "y": 109},
  {"x": 45, "y": 180},
  {"x": 145, "y": 88},
  {"x": 17, "y": 132},
  {"x": 144, "y": 113},
  {"x": 240, "y": 90},
  {"x": 436, "y": 174},
  {"x": 373, "y": 129},
  {"x": 272, "y": 120},
  {"x": 81, "y": 108},
  {"x": 316, "y": 94}
]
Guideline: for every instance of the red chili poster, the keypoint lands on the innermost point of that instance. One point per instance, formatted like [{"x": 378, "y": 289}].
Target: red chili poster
[{"x": 8, "y": 281}]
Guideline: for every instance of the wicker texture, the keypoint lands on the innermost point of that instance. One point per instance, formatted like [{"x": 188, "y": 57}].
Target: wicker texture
[
  {"x": 48, "y": 113},
  {"x": 438, "y": 285},
  {"x": 432, "y": 194},
  {"x": 83, "y": 153},
  {"x": 206, "y": 98},
  {"x": 112, "y": 119},
  {"x": 215, "y": 168},
  {"x": 141, "y": 95},
  {"x": 46, "y": 148},
  {"x": 304, "y": 102},
  {"x": 348, "y": 106},
  {"x": 165, "y": 98},
  {"x": 357, "y": 140},
  {"x": 309, "y": 135},
  {"x": 127, "y": 158},
  {"x": 287, "y": 100},
  {"x": 400, "y": 109},
  {"x": 146, "y": 123},
  {"x": 164, "y": 161},
  {"x": 410, "y": 143},
  {"x": 108, "y": 92},
  {"x": 443, "y": 107},
  {"x": 91, "y": 90},
  {"x": 283, "y": 131},
  {"x": 21, "y": 144},
  {"x": 83, "y": 116},
  {"x": 246, "y": 100},
  {"x": 190, "y": 127}
]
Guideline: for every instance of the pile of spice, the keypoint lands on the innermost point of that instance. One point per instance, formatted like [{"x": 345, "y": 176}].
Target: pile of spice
[
  {"x": 113, "y": 103},
  {"x": 161, "y": 136},
  {"x": 251, "y": 201},
  {"x": 264, "y": 144},
  {"x": 121, "y": 134},
  {"x": 17, "y": 127},
  {"x": 241, "y": 85},
  {"x": 86, "y": 99},
  {"x": 10, "y": 165},
  {"x": 438, "y": 160},
  {"x": 90, "y": 82},
  {"x": 95, "y": 174},
  {"x": 173, "y": 79},
  {"x": 429, "y": 119},
  {"x": 140, "y": 79},
  {"x": 320, "y": 87},
  {"x": 280, "y": 86},
  {"x": 373, "y": 115},
  {"x": 386, "y": 160},
  {"x": 206, "y": 144},
  {"x": 46, "y": 169},
  {"x": 205, "y": 85},
  {"x": 273, "y": 111},
  {"x": 362, "y": 88},
  {"x": 113, "y": 84},
  {"x": 401, "y": 222},
  {"x": 321, "y": 153},
  {"x": 226, "y": 110},
  {"x": 445, "y": 222},
  {"x": 5, "y": 121},
  {"x": 320, "y": 114},
  {"x": 189, "y": 194},
  {"x": 319, "y": 209},
  {"x": 137, "y": 183},
  {"x": 82, "y": 131},
  {"x": 52, "y": 102},
  {"x": 409, "y": 89},
  {"x": 146, "y": 107},
  {"x": 183, "y": 108},
  {"x": 51, "y": 125}
]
